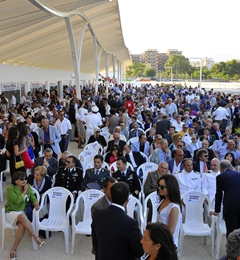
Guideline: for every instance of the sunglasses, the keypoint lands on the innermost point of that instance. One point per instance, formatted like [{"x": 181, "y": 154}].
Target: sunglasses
[
  {"x": 22, "y": 179},
  {"x": 160, "y": 139},
  {"x": 162, "y": 187},
  {"x": 206, "y": 155},
  {"x": 179, "y": 146},
  {"x": 68, "y": 162},
  {"x": 97, "y": 131}
]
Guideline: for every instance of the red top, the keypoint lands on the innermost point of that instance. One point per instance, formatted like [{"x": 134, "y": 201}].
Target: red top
[{"x": 130, "y": 106}]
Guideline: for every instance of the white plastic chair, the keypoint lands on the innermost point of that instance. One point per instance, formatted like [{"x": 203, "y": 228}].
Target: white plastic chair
[
  {"x": 132, "y": 140},
  {"x": 1, "y": 186},
  {"x": 145, "y": 156},
  {"x": 154, "y": 199},
  {"x": 96, "y": 147},
  {"x": 91, "y": 165},
  {"x": 146, "y": 168},
  {"x": 6, "y": 224},
  {"x": 194, "y": 224},
  {"x": 113, "y": 166},
  {"x": 134, "y": 205},
  {"x": 220, "y": 229},
  {"x": 104, "y": 130},
  {"x": 83, "y": 227},
  {"x": 85, "y": 157},
  {"x": 58, "y": 218}
]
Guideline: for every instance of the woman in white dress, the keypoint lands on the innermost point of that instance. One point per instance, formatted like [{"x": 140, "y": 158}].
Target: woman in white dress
[{"x": 169, "y": 209}]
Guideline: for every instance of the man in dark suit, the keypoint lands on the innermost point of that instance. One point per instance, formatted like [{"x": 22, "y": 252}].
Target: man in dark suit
[
  {"x": 69, "y": 177},
  {"x": 127, "y": 175},
  {"x": 106, "y": 200},
  {"x": 96, "y": 174},
  {"x": 162, "y": 126},
  {"x": 205, "y": 145},
  {"x": 171, "y": 131},
  {"x": 114, "y": 234},
  {"x": 202, "y": 164},
  {"x": 207, "y": 136},
  {"x": 64, "y": 156},
  {"x": 135, "y": 132},
  {"x": 48, "y": 161},
  {"x": 116, "y": 140},
  {"x": 228, "y": 183},
  {"x": 133, "y": 157}
]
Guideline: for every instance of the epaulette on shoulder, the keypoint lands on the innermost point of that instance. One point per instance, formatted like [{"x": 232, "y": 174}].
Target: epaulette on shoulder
[
  {"x": 178, "y": 172},
  {"x": 196, "y": 172}
]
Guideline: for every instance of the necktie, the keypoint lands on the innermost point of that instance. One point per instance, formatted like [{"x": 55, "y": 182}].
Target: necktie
[
  {"x": 135, "y": 134},
  {"x": 97, "y": 171},
  {"x": 205, "y": 167}
]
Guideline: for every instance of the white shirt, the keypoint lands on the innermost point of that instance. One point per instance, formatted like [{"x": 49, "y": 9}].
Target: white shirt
[
  {"x": 132, "y": 160},
  {"x": 175, "y": 167},
  {"x": 63, "y": 126},
  {"x": 80, "y": 114},
  {"x": 209, "y": 183},
  {"x": 92, "y": 121},
  {"x": 22, "y": 99},
  {"x": 220, "y": 113},
  {"x": 188, "y": 181},
  {"x": 13, "y": 100}
]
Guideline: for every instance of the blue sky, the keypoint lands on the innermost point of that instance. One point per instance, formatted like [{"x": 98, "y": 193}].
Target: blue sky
[{"x": 198, "y": 28}]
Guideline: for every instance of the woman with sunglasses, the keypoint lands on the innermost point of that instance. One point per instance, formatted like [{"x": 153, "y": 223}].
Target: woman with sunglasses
[
  {"x": 18, "y": 194},
  {"x": 156, "y": 143},
  {"x": 97, "y": 137},
  {"x": 112, "y": 156},
  {"x": 169, "y": 209}
]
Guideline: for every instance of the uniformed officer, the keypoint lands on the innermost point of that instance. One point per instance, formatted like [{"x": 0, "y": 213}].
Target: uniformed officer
[
  {"x": 69, "y": 176},
  {"x": 188, "y": 179},
  {"x": 209, "y": 179},
  {"x": 95, "y": 175},
  {"x": 127, "y": 175}
]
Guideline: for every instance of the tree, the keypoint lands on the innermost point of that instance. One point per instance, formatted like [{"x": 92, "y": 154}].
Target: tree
[
  {"x": 179, "y": 63},
  {"x": 136, "y": 70},
  {"x": 150, "y": 72}
]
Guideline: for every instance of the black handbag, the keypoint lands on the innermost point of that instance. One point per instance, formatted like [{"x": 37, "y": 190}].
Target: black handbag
[{"x": 29, "y": 211}]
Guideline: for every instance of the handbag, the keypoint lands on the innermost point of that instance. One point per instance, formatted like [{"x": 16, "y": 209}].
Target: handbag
[
  {"x": 27, "y": 160},
  {"x": 30, "y": 152},
  {"x": 18, "y": 164},
  {"x": 29, "y": 211}
]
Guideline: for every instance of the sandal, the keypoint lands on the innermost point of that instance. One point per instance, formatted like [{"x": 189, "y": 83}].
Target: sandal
[
  {"x": 39, "y": 242},
  {"x": 13, "y": 255}
]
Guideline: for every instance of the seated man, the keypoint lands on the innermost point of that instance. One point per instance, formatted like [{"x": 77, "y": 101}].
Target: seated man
[
  {"x": 135, "y": 132},
  {"x": 175, "y": 164},
  {"x": 161, "y": 154},
  {"x": 142, "y": 145},
  {"x": 95, "y": 175},
  {"x": 151, "y": 183},
  {"x": 48, "y": 161},
  {"x": 116, "y": 140},
  {"x": 118, "y": 129},
  {"x": 202, "y": 163},
  {"x": 65, "y": 155},
  {"x": 69, "y": 177},
  {"x": 127, "y": 175},
  {"x": 133, "y": 157}
]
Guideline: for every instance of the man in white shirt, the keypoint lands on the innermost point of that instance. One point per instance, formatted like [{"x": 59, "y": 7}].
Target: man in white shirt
[
  {"x": 64, "y": 127},
  {"x": 209, "y": 179},
  {"x": 22, "y": 98},
  {"x": 13, "y": 100},
  {"x": 171, "y": 108}
]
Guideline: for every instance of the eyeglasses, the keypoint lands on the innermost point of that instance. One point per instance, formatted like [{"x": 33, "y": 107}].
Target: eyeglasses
[
  {"x": 97, "y": 131},
  {"x": 22, "y": 179},
  {"x": 68, "y": 162},
  {"x": 206, "y": 155},
  {"x": 159, "y": 139},
  {"x": 116, "y": 138},
  {"x": 179, "y": 145},
  {"x": 61, "y": 114},
  {"x": 162, "y": 187},
  {"x": 193, "y": 139}
]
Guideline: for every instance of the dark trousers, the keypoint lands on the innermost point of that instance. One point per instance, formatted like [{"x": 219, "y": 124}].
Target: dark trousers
[
  {"x": 232, "y": 220},
  {"x": 63, "y": 144}
]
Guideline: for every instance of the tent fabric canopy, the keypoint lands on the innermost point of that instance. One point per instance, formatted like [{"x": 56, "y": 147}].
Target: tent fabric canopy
[{"x": 34, "y": 38}]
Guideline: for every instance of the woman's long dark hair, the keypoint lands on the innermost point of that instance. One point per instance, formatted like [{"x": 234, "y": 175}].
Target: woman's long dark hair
[
  {"x": 12, "y": 135},
  {"x": 172, "y": 188},
  {"x": 160, "y": 233},
  {"x": 234, "y": 164},
  {"x": 22, "y": 131}
]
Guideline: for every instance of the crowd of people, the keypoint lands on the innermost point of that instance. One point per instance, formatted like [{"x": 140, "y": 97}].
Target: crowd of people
[{"x": 190, "y": 133}]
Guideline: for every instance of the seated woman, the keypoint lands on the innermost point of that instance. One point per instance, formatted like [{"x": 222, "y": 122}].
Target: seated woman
[
  {"x": 97, "y": 137},
  {"x": 230, "y": 157},
  {"x": 175, "y": 139},
  {"x": 40, "y": 180},
  {"x": 169, "y": 209},
  {"x": 114, "y": 153},
  {"x": 17, "y": 195},
  {"x": 156, "y": 143},
  {"x": 157, "y": 243}
]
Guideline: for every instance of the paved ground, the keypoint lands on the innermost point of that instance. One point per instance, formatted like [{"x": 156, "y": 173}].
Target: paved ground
[{"x": 193, "y": 248}]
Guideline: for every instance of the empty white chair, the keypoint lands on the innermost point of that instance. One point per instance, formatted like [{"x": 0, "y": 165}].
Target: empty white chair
[
  {"x": 134, "y": 205},
  {"x": 91, "y": 165},
  {"x": 96, "y": 147},
  {"x": 85, "y": 157},
  {"x": 154, "y": 199},
  {"x": 145, "y": 168},
  {"x": 6, "y": 224},
  {"x": 194, "y": 224},
  {"x": 132, "y": 140},
  {"x": 89, "y": 197},
  {"x": 113, "y": 166},
  {"x": 58, "y": 217}
]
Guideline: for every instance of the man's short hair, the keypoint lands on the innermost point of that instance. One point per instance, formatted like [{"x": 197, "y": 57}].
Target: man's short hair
[
  {"x": 119, "y": 193},
  {"x": 48, "y": 150},
  {"x": 200, "y": 152},
  {"x": 67, "y": 153},
  {"x": 74, "y": 159},
  {"x": 225, "y": 164},
  {"x": 123, "y": 159},
  {"x": 98, "y": 156},
  {"x": 107, "y": 180},
  {"x": 233, "y": 245}
]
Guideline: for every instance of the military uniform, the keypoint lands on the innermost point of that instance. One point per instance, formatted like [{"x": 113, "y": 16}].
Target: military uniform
[
  {"x": 188, "y": 181},
  {"x": 69, "y": 178},
  {"x": 92, "y": 176},
  {"x": 209, "y": 183},
  {"x": 151, "y": 183},
  {"x": 130, "y": 177}
]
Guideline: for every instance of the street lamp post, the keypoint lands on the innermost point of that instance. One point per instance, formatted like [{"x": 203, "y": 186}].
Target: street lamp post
[
  {"x": 171, "y": 72},
  {"x": 200, "y": 77}
]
